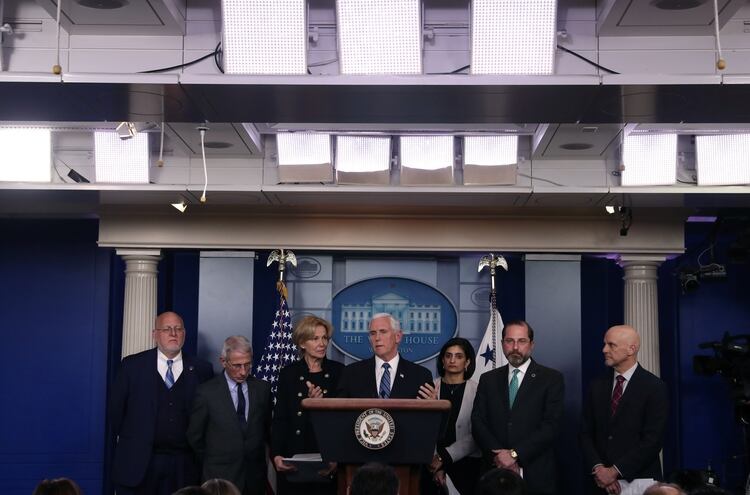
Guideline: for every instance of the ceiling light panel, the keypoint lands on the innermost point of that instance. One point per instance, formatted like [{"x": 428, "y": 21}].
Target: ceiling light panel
[
  {"x": 723, "y": 160},
  {"x": 513, "y": 37},
  {"x": 426, "y": 152},
  {"x": 649, "y": 160},
  {"x": 379, "y": 36},
  {"x": 487, "y": 151},
  {"x": 25, "y": 155},
  {"x": 264, "y": 37},
  {"x": 303, "y": 148},
  {"x": 121, "y": 161},
  {"x": 363, "y": 153}
]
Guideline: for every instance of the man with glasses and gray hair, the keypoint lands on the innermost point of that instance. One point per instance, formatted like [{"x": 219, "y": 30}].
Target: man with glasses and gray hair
[
  {"x": 517, "y": 413},
  {"x": 231, "y": 419},
  {"x": 149, "y": 410}
]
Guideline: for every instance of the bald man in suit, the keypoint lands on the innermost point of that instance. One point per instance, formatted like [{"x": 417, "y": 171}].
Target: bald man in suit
[
  {"x": 624, "y": 416},
  {"x": 149, "y": 409}
]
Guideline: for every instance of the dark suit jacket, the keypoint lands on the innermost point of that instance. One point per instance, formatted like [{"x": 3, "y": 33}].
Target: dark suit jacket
[
  {"x": 291, "y": 429},
  {"x": 228, "y": 451},
  {"x": 132, "y": 410},
  {"x": 358, "y": 380},
  {"x": 632, "y": 438},
  {"x": 530, "y": 427}
]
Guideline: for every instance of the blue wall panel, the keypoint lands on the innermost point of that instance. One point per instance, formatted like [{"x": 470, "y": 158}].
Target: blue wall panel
[
  {"x": 708, "y": 430},
  {"x": 53, "y": 307}
]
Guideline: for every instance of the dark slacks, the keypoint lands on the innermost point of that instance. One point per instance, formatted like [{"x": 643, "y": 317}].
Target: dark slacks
[{"x": 166, "y": 474}]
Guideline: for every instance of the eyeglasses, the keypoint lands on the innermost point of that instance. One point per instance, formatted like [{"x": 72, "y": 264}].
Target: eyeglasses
[
  {"x": 509, "y": 341},
  {"x": 165, "y": 330},
  {"x": 240, "y": 366}
]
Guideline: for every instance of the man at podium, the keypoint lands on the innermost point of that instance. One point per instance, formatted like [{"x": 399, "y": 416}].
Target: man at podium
[{"x": 386, "y": 375}]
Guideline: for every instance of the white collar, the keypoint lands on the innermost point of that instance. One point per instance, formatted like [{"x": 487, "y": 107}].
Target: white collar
[
  {"x": 522, "y": 368},
  {"x": 393, "y": 362},
  {"x": 164, "y": 357}
]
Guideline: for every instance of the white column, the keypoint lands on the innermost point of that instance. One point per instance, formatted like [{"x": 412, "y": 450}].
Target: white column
[
  {"x": 139, "y": 308},
  {"x": 642, "y": 305}
]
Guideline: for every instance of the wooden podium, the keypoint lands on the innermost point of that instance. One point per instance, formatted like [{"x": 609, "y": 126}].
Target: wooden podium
[{"x": 398, "y": 432}]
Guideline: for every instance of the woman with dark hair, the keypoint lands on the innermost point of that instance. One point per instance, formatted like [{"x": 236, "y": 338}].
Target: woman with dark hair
[
  {"x": 291, "y": 431},
  {"x": 57, "y": 486},
  {"x": 455, "y": 465}
]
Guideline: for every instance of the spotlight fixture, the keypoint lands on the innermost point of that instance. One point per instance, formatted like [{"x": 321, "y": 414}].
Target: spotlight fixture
[
  {"x": 126, "y": 130},
  {"x": 77, "y": 177},
  {"x": 181, "y": 206}
]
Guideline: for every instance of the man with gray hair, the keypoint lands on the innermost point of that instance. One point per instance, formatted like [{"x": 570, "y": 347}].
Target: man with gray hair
[
  {"x": 230, "y": 421},
  {"x": 386, "y": 375}
]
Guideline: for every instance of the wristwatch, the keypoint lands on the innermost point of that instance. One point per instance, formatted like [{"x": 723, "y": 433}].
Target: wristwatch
[{"x": 513, "y": 454}]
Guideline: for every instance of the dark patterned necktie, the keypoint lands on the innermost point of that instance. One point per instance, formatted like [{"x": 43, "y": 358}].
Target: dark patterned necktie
[
  {"x": 385, "y": 382},
  {"x": 617, "y": 394},
  {"x": 240, "y": 404},
  {"x": 169, "y": 379}
]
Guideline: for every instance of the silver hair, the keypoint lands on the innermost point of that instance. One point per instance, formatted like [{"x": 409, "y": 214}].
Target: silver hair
[
  {"x": 395, "y": 324},
  {"x": 236, "y": 343}
]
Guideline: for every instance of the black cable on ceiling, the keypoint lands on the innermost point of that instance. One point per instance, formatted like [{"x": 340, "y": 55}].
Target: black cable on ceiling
[
  {"x": 214, "y": 54},
  {"x": 588, "y": 61}
]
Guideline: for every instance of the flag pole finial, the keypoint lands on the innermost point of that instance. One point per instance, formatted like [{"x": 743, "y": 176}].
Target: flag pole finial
[
  {"x": 493, "y": 261},
  {"x": 283, "y": 257}
]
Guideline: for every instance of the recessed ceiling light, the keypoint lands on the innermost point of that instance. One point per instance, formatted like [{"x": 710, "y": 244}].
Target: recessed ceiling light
[
  {"x": 576, "y": 146},
  {"x": 217, "y": 145},
  {"x": 102, "y": 4},
  {"x": 677, "y": 4}
]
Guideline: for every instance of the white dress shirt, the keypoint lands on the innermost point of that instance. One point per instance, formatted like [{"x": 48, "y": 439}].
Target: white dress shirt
[
  {"x": 379, "y": 370},
  {"x": 161, "y": 365}
]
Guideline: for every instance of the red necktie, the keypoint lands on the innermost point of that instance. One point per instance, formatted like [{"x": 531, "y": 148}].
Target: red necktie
[{"x": 617, "y": 394}]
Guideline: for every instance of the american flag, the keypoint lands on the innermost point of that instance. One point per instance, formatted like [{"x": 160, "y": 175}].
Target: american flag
[{"x": 279, "y": 350}]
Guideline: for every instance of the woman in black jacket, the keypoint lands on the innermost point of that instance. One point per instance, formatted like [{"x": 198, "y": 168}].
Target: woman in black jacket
[{"x": 291, "y": 431}]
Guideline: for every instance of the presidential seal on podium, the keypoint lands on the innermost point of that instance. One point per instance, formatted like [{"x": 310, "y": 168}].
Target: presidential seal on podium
[{"x": 375, "y": 429}]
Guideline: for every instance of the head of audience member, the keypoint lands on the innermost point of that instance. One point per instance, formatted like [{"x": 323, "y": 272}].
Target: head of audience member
[
  {"x": 374, "y": 478},
  {"x": 312, "y": 335},
  {"x": 621, "y": 344},
  {"x": 219, "y": 486},
  {"x": 501, "y": 482},
  {"x": 191, "y": 490},
  {"x": 456, "y": 356},
  {"x": 385, "y": 335},
  {"x": 57, "y": 486},
  {"x": 237, "y": 358},
  {"x": 663, "y": 489},
  {"x": 169, "y": 333},
  {"x": 518, "y": 342}
]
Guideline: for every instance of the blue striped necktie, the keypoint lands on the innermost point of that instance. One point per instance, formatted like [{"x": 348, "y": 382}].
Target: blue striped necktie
[
  {"x": 385, "y": 382},
  {"x": 169, "y": 379}
]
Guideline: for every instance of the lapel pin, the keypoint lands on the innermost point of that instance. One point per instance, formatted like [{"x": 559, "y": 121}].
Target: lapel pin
[
  {"x": 401, "y": 375},
  {"x": 190, "y": 368},
  {"x": 533, "y": 375}
]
